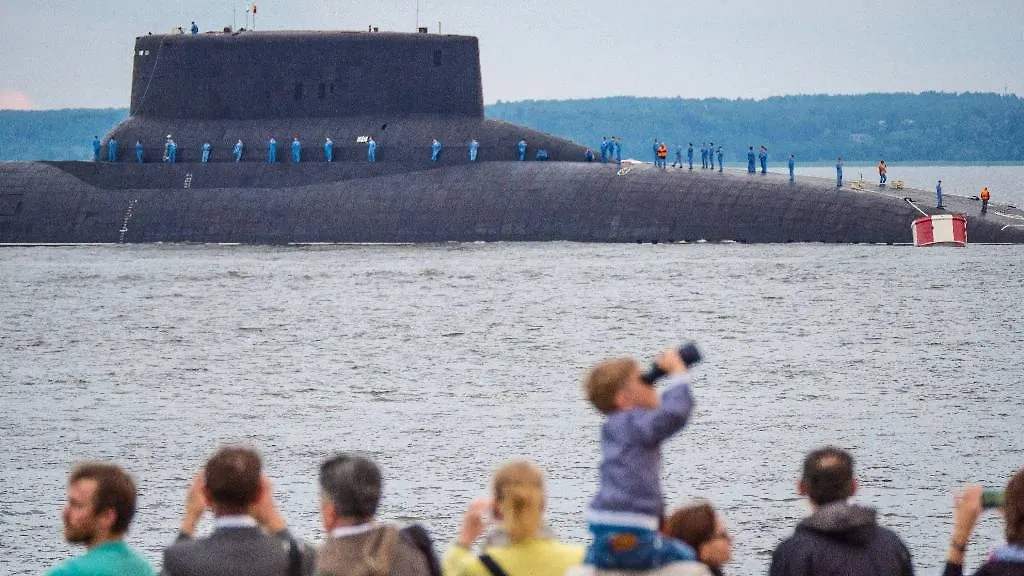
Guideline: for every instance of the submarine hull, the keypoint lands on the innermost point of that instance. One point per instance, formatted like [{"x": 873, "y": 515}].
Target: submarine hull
[
  {"x": 213, "y": 91},
  {"x": 486, "y": 201}
]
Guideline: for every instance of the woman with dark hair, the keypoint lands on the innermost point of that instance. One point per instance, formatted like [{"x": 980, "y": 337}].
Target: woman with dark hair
[
  {"x": 1007, "y": 560},
  {"x": 704, "y": 530}
]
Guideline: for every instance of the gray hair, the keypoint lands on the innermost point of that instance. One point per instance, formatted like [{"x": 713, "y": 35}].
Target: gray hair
[{"x": 352, "y": 483}]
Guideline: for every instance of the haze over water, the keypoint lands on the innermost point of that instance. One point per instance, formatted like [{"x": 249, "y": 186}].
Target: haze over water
[{"x": 442, "y": 361}]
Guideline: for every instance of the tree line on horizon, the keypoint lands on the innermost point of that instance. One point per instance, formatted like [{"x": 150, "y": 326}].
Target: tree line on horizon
[
  {"x": 930, "y": 127},
  {"x": 926, "y": 127}
]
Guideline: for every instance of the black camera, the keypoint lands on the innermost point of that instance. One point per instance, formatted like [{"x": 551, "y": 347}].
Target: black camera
[{"x": 688, "y": 352}]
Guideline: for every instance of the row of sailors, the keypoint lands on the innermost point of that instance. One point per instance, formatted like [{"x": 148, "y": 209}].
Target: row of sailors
[{"x": 171, "y": 150}]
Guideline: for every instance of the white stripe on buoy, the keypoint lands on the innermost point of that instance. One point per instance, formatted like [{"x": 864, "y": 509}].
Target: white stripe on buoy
[{"x": 940, "y": 230}]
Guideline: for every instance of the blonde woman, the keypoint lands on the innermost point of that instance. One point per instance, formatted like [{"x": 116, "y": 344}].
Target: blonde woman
[{"x": 518, "y": 543}]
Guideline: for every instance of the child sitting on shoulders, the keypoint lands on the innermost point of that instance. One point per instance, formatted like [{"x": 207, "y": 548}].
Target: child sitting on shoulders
[{"x": 625, "y": 515}]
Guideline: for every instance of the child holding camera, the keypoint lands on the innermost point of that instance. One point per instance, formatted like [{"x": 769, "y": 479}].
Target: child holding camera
[{"x": 625, "y": 514}]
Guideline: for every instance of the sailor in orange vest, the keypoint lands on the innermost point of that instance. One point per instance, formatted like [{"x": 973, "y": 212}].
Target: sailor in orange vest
[
  {"x": 881, "y": 173},
  {"x": 984, "y": 199},
  {"x": 662, "y": 155}
]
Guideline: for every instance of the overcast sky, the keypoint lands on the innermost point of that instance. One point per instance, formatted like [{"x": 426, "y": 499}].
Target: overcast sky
[{"x": 78, "y": 53}]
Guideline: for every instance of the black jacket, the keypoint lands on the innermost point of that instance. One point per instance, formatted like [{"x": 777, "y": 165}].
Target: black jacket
[
  {"x": 990, "y": 568},
  {"x": 841, "y": 539}
]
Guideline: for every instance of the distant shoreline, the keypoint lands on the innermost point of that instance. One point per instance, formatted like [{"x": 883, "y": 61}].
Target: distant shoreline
[{"x": 943, "y": 129}]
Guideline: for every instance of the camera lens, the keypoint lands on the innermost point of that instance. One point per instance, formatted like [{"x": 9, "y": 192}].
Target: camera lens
[{"x": 688, "y": 352}]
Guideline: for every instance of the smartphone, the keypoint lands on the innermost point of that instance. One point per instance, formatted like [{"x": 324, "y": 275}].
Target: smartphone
[{"x": 992, "y": 499}]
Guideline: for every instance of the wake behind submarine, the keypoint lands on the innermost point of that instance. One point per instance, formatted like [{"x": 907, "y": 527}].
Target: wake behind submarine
[{"x": 403, "y": 90}]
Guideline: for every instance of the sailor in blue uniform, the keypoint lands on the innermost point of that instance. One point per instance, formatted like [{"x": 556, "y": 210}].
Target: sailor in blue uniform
[
  {"x": 329, "y": 150},
  {"x": 763, "y": 156},
  {"x": 272, "y": 150},
  {"x": 654, "y": 147},
  {"x": 237, "y": 150},
  {"x": 111, "y": 150},
  {"x": 679, "y": 156},
  {"x": 618, "y": 151},
  {"x": 435, "y": 149},
  {"x": 792, "y": 164},
  {"x": 751, "y": 159},
  {"x": 839, "y": 172},
  {"x": 474, "y": 148},
  {"x": 296, "y": 150},
  {"x": 95, "y": 148},
  {"x": 522, "y": 150},
  {"x": 720, "y": 166},
  {"x": 938, "y": 195},
  {"x": 195, "y": 29},
  {"x": 703, "y": 155},
  {"x": 604, "y": 149},
  {"x": 711, "y": 155},
  {"x": 689, "y": 155},
  {"x": 371, "y": 150},
  {"x": 138, "y": 151},
  {"x": 172, "y": 151},
  {"x": 206, "y": 152}
]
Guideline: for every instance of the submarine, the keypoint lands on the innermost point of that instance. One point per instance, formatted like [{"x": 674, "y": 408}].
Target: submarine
[{"x": 404, "y": 90}]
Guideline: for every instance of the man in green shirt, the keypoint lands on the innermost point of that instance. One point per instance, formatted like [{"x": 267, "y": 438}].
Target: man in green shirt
[{"x": 100, "y": 506}]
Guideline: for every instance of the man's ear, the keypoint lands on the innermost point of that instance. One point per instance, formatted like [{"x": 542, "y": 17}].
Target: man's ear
[
  {"x": 329, "y": 513},
  {"x": 107, "y": 518},
  {"x": 853, "y": 487},
  {"x": 801, "y": 488},
  {"x": 620, "y": 401},
  {"x": 261, "y": 491}
]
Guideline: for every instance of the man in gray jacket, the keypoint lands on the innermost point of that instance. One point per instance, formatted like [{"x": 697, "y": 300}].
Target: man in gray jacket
[
  {"x": 250, "y": 536},
  {"x": 358, "y": 545}
]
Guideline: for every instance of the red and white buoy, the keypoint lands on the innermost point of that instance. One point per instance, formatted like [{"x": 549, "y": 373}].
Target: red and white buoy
[{"x": 940, "y": 230}]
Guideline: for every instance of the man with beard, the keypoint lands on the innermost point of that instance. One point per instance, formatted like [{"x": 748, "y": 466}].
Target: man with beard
[{"x": 100, "y": 506}]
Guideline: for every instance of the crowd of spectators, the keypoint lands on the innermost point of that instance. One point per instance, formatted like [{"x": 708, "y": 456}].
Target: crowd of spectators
[{"x": 505, "y": 534}]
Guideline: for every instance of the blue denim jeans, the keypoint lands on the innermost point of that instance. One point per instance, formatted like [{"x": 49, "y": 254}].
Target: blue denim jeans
[{"x": 628, "y": 548}]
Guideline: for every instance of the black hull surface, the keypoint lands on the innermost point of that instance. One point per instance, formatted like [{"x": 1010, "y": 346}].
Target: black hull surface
[
  {"x": 85, "y": 202},
  {"x": 404, "y": 91}
]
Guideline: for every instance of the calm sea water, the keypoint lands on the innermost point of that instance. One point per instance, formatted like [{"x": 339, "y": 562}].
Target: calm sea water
[{"x": 443, "y": 361}]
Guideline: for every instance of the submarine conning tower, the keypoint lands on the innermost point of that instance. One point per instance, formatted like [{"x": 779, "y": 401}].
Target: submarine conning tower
[
  {"x": 402, "y": 89},
  {"x": 255, "y": 75}
]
